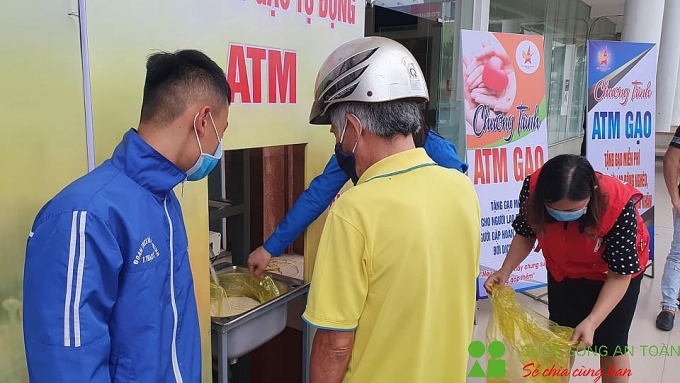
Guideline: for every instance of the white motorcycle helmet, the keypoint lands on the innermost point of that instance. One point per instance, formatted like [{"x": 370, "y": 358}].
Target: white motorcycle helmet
[{"x": 368, "y": 69}]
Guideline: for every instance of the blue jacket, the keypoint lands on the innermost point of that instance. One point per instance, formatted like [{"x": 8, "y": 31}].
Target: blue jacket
[
  {"x": 325, "y": 187},
  {"x": 108, "y": 291}
]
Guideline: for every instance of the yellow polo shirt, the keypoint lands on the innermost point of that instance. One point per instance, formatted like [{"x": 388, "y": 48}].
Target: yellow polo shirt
[{"x": 397, "y": 263}]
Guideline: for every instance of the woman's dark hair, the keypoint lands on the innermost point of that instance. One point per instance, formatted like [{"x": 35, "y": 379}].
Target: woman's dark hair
[
  {"x": 567, "y": 176},
  {"x": 421, "y": 133}
]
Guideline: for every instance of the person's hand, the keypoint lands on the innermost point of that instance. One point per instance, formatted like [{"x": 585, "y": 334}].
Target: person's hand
[
  {"x": 583, "y": 334},
  {"x": 499, "y": 278},
  {"x": 675, "y": 201},
  {"x": 258, "y": 261}
]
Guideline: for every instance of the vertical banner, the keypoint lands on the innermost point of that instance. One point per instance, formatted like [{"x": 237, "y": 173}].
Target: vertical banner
[
  {"x": 621, "y": 117},
  {"x": 506, "y": 139}
]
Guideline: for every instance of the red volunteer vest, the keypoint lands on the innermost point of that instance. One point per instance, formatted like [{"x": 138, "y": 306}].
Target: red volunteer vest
[{"x": 570, "y": 254}]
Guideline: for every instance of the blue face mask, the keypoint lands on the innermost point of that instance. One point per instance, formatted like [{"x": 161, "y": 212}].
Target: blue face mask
[
  {"x": 205, "y": 162},
  {"x": 566, "y": 216},
  {"x": 346, "y": 161}
]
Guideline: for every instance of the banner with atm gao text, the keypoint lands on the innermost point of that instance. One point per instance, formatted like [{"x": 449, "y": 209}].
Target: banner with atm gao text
[
  {"x": 506, "y": 138},
  {"x": 622, "y": 117}
]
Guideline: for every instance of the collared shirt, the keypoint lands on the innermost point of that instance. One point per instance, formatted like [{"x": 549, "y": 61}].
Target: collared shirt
[{"x": 397, "y": 263}]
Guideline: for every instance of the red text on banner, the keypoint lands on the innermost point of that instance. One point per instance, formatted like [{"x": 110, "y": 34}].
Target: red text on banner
[
  {"x": 244, "y": 73},
  {"x": 491, "y": 164}
]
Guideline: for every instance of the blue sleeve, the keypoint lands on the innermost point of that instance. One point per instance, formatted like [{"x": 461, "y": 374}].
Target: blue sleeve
[
  {"x": 308, "y": 207},
  {"x": 443, "y": 152},
  {"x": 70, "y": 286}
]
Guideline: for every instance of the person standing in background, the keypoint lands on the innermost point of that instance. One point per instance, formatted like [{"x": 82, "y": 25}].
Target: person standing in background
[{"x": 670, "y": 282}]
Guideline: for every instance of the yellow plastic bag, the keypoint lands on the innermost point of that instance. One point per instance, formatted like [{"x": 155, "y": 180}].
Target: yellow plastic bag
[
  {"x": 238, "y": 292},
  {"x": 237, "y": 283},
  {"x": 218, "y": 299},
  {"x": 530, "y": 346}
]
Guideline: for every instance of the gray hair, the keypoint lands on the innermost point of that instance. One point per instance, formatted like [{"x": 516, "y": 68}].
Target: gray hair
[{"x": 384, "y": 119}]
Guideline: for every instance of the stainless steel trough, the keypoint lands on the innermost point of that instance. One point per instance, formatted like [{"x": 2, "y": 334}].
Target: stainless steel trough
[{"x": 236, "y": 336}]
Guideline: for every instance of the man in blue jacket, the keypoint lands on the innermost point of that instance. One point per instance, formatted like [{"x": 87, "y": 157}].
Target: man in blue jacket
[
  {"x": 325, "y": 187},
  {"x": 108, "y": 291}
]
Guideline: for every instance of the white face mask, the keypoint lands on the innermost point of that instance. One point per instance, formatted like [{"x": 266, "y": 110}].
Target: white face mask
[
  {"x": 205, "y": 162},
  {"x": 566, "y": 216}
]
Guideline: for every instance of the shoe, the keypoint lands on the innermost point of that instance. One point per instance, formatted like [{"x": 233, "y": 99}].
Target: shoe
[{"x": 665, "y": 319}]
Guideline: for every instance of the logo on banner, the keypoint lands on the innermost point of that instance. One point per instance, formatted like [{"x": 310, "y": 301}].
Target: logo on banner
[
  {"x": 603, "y": 58},
  {"x": 528, "y": 57}
]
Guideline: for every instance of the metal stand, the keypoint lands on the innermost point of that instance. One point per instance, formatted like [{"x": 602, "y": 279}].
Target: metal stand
[
  {"x": 476, "y": 311},
  {"x": 650, "y": 264},
  {"x": 222, "y": 363},
  {"x": 540, "y": 297},
  {"x": 225, "y": 330}
]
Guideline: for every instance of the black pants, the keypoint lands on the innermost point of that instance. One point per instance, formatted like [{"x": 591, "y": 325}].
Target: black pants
[{"x": 570, "y": 301}]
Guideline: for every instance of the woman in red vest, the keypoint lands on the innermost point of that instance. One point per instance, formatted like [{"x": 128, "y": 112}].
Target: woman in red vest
[{"x": 595, "y": 246}]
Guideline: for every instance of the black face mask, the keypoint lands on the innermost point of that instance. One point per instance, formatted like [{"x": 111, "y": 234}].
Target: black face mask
[{"x": 346, "y": 161}]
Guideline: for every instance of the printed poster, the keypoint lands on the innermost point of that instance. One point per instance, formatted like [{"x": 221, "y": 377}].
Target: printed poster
[
  {"x": 621, "y": 117},
  {"x": 506, "y": 139}
]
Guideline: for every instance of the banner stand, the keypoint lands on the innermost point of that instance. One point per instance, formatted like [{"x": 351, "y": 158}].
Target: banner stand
[
  {"x": 506, "y": 140},
  {"x": 649, "y": 265},
  {"x": 476, "y": 311},
  {"x": 540, "y": 297},
  {"x": 621, "y": 106}
]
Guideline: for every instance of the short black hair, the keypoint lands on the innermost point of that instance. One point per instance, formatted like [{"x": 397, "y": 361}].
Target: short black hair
[{"x": 175, "y": 79}]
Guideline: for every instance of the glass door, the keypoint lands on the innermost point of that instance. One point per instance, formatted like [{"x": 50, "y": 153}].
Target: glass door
[{"x": 431, "y": 31}]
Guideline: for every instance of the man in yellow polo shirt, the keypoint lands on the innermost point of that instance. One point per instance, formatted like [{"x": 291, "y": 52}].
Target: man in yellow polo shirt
[{"x": 394, "y": 283}]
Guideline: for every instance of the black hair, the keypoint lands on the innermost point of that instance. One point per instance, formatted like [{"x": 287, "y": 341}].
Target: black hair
[
  {"x": 567, "y": 176},
  {"x": 420, "y": 134},
  {"x": 175, "y": 79}
]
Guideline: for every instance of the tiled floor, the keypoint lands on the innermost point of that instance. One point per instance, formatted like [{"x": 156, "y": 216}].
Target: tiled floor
[{"x": 645, "y": 368}]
